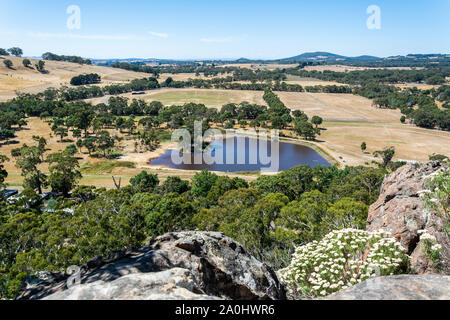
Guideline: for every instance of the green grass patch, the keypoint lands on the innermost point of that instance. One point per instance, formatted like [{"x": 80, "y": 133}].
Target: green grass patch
[{"x": 106, "y": 167}]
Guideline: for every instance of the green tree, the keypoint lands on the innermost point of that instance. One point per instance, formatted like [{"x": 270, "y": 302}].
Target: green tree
[
  {"x": 40, "y": 66},
  {"x": 222, "y": 185},
  {"x": 305, "y": 129},
  {"x": 64, "y": 172},
  {"x": 145, "y": 182},
  {"x": 28, "y": 160},
  {"x": 202, "y": 183},
  {"x": 104, "y": 142},
  {"x": 387, "y": 155},
  {"x": 15, "y": 51},
  {"x": 363, "y": 147},
  {"x": 26, "y": 63},
  {"x": 8, "y": 63},
  {"x": 317, "y": 121},
  {"x": 60, "y": 131},
  {"x": 174, "y": 185},
  {"x": 6, "y": 134},
  {"x": 3, "y": 173},
  {"x": 403, "y": 119},
  {"x": 171, "y": 213}
]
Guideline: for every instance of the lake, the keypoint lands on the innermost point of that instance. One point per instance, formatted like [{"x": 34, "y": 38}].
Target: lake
[{"x": 255, "y": 158}]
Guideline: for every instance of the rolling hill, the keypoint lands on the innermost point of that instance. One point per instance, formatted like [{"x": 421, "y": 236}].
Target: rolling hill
[{"x": 59, "y": 73}]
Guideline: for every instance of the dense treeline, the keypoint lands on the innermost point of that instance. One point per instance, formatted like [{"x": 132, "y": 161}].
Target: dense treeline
[
  {"x": 417, "y": 105},
  {"x": 207, "y": 70},
  {"x": 82, "y": 92},
  {"x": 84, "y": 79},
  {"x": 430, "y": 76},
  {"x": 74, "y": 59},
  {"x": 269, "y": 217},
  {"x": 238, "y": 74}
]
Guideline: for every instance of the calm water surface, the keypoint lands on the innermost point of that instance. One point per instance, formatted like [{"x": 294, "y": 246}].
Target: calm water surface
[{"x": 291, "y": 155}]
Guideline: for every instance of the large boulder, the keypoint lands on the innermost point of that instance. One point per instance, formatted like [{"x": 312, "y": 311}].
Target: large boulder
[
  {"x": 404, "y": 287},
  {"x": 400, "y": 210},
  {"x": 190, "y": 265},
  {"x": 173, "y": 284}
]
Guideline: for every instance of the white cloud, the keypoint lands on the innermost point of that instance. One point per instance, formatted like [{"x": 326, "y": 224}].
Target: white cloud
[
  {"x": 44, "y": 35},
  {"x": 159, "y": 35}
]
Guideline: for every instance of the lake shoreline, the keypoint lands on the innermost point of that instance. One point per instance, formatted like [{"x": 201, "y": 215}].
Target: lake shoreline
[{"x": 319, "y": 155}]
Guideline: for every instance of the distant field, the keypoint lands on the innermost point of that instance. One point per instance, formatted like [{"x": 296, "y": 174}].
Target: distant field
[
  {"x": 211, "y": 98},
  {"x": 97, "y": 172},
  {"x": 305, "y": 82},
  {"x": 338, "y": 107},
  {"x": 59, "y": 74},
  {"x": 350, "y": 120},
  {"x": 342, "y": 68}
]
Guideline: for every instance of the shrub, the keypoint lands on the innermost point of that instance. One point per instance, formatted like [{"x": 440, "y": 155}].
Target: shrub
[
  {"x": 431, "y": 248},
  {"x": 340, "y": 260}
]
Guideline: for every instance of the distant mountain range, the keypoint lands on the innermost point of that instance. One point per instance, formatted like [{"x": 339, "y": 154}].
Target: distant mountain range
[
  {"x": 305, "y": 57},
  {"x": 326, "y": 56}
]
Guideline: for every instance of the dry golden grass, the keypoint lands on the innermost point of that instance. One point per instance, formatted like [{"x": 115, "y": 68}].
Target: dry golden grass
[
  {"x": 211, "y": 98},
  {"x": 99, "y": 179},
  {"x": 343, "y": 68},
  {"x": 305, "y": 82},
  {"x": 59, "y": 74},
  {"x": 350, "y": 120}
]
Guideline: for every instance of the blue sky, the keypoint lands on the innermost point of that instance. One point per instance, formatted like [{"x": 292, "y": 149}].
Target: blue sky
[{"x": 195, "y": 29}]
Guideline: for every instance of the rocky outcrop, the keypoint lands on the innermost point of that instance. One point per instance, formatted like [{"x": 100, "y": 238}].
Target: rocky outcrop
[
  {"x": 173, "y": 284},
  {"x": 404, "y": 287},
  {"x": 186, "y": 265},
  {"x": 401, "y": 211}
]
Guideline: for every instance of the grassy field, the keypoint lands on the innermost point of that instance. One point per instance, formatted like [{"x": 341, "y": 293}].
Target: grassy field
[
  {"x": 96, "y": 171},
  {"x": 350, "y": 120},
  {"x": 59, "y": 73},
  {"x": 211, "y": 98}
]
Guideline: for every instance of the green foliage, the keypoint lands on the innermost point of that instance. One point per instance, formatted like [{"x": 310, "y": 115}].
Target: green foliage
[
  {"x": 28, "y": 159},
  {"x": 40, "y": 66},
  {"x": 64, "y": 173},
  {"x": 387, "y": 155},
  {"x": 292, "y": 183},
  {"x": 431, "y": 249},
  {"x": 438, "y": 197},
  {"x": 84, "y": 79},
  {"x": 305, "y": 130},
  {"x": 171, "y": 213},
  {"x": 3, "y": 174},
  {"x": 317, "y": 121},
  {"x": 363, "y": 147},
  {"x": 8, "y": 63},
  {"x": 26, "y": 63},
  {"x": 403, "y": 119},
  {"x": 15, "y": 51},
  {"x": 3, "y": 52},
  {"x": 202, "y": 183},
  {"x": 144, "y": 182},
  {"x": 174, "y": 185}
]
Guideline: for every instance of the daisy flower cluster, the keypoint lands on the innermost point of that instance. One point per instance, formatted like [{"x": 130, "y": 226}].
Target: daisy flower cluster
[
  {"x": 340, "y": 260},
  {"x": 432, "y": 249}
]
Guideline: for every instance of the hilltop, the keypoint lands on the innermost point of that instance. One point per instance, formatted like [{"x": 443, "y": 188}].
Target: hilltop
[{"x": 59, "y": 73}]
